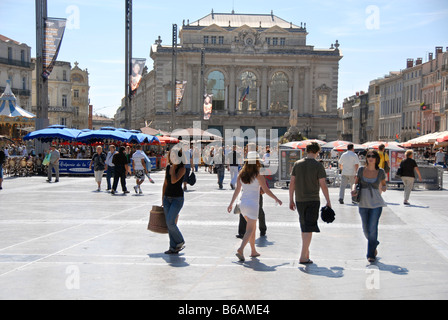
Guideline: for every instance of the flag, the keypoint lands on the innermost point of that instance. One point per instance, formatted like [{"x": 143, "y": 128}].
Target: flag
[
  {"x": 135, "y": 77},
  {"x": 208, "y": 106},
  {"x": 245, "y": 93},
  {"x": 180, "y": 90},
  {"x": 54, "y": 32}
]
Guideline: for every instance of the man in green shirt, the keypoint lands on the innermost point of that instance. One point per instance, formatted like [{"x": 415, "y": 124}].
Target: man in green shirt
[{"x": 307, "y": 178}]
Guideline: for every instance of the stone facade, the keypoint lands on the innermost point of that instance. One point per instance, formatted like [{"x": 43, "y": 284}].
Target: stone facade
[{"x": 264, "y": 53}]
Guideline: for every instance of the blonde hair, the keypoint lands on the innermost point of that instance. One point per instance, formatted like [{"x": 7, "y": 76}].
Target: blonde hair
[{"x": 409, "y": 153}]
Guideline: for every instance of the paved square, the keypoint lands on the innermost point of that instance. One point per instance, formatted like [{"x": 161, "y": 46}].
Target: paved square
[{"x": 67, "y": 241}]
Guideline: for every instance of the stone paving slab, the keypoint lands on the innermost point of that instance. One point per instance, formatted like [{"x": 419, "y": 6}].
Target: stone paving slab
[{"x": 67, "y": 241}]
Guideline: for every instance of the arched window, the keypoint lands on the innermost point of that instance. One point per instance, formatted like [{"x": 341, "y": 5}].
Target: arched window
[
  {"x": 216, "y": 86},
  {"x": 247, "y": 92},
  {"x": 279, "y": 93}
]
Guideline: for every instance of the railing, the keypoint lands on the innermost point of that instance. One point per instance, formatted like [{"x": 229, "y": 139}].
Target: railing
[{"x": 17, "y": 63}]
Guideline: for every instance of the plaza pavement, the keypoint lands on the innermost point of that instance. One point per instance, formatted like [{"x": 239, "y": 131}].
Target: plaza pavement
[{"x": 67, "y": 241}]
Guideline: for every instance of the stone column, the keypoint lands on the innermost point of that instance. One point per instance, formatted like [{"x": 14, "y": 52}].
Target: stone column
[
  {"x": 231, "y": 98},
  {"x": 264, "y": 92}
]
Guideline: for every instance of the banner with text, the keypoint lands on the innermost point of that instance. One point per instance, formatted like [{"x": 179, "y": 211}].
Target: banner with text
[{"x": 54, "y": 32}]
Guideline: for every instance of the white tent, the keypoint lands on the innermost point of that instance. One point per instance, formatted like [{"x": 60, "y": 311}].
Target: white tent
[{"x": 9, "y": 107}]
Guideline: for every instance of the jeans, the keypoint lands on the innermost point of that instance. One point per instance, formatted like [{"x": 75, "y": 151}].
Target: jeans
[
  {"x": 370, "y": 219},
  {"x": 110, "y": 173},
  {"x": 119, "y": 174},
  {"x": 172, "y": 207}
]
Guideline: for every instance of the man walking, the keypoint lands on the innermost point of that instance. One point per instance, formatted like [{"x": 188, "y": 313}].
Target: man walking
[
  {"x": 234, "y": 161},
  {"x": 307, "y": 178},
  {"x": 139, "y": 167},
  {"x": 54, "y": 164},
  {"x": 110, "y": 167},
  {"x": 349, "y": 164}
]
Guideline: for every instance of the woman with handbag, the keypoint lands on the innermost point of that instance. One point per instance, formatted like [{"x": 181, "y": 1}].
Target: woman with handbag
[
  {"x": 173, "y": 198},
  {"x": 372, "y": 182},
  {"x": 250, "y": 181},
  {"x": 407, "y": 170}
]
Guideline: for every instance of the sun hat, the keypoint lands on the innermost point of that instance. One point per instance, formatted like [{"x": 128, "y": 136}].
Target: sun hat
[
  {"x": 327, "y": 214},
  {"x": 253, "y": 156}
]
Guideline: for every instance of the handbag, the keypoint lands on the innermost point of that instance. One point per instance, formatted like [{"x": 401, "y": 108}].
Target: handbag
[
  {"x": 356, "y": 198},
  {"x": 237, "y": 209},
  {"x": 46, "y": 161},
  {"x": 191, "y": 180}
]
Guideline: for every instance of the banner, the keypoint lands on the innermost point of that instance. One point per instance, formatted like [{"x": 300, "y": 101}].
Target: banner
[
  {"x": 180, "y": 90},
  {"x": 53, "y": 34},
  {"x": 208, "y": 106},
  {"x": 137, "y": 66}
]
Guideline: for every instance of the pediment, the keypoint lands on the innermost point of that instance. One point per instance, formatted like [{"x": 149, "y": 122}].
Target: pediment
[
  {"x": 244, "y": 27},
  {"x": 213, "y": 28},
  {"x": 275, "y": 29}
]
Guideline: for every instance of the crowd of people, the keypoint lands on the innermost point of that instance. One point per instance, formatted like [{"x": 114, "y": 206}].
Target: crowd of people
[{"x": 308, "y": 178}]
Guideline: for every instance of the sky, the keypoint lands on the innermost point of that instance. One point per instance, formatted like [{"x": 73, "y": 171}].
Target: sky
[{"x": 375, "y": 36}]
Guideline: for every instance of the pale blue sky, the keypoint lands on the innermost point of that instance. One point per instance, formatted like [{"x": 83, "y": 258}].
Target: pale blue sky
[{"x": 376, "y": 36}]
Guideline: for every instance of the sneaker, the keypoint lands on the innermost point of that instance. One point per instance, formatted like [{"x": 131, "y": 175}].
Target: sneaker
[
  {"x": 126, "y": 191},
  {"x": 140, "y": 191},
  {"x": 341, "y": 201},
  {"x": 136, "y": 189}
]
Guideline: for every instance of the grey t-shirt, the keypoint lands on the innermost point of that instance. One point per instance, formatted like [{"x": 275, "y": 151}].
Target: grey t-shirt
[{"x": 370, "y": 190}]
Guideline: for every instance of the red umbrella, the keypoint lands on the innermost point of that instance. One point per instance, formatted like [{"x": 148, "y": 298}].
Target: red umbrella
[
  {"x": 301, "y": 144},
  {"x": 335, "y": 144}
]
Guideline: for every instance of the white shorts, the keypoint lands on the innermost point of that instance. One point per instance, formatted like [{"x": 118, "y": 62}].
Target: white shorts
[{"x": 98, "y": 175}]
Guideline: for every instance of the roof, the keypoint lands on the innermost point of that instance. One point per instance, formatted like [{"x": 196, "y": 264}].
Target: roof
[
  {"x": 239, "y": 20},
  {"x": 6, "y": 39}
]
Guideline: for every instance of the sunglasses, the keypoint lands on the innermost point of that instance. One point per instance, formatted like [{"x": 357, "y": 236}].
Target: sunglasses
[{"x": 370, "y": 156}]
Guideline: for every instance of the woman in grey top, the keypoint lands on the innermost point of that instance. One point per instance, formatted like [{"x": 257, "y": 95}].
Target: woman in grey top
[{"x": 373, "y": 182}]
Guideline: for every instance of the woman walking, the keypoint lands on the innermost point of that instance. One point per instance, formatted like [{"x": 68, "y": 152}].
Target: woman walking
[
  {"x": 408, "y": 169},
  {"x": 373, "y": 182},
  {"x": 99, "y": 164},
  {"x": 250, "y": 181},
  {"x": 173, "y": 199}
]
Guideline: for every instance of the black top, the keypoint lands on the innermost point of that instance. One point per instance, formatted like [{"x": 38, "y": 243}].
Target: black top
[
  {"x": 120, "y": 160},
  {"x": 407, "y": 166},
  {"x": 173, "y": 190}
]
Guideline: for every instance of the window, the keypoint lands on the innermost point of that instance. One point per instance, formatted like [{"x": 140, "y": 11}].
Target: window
[
  {"x": 268, "y": 41},
  {"x": 22, "y": 56},
  {"x": 206, "y": 39},
  {"x": 63, "y": 121},
  {"x": 221, "y": 40},
  {"x": 282, "y": 41},
  {"x": 75, "y": 94},
  {"x": 23, "y": 83},
  {"x": 9, "y": 53},
  {"x": 64, "y": 75},
  {"x": 247, "y": 92},
  {"x": 279, "y": 93},
  {"x": 64, "y": 100},
  {"x": 216, "y": 86},
  {"x": 213, "y": 39},
  {"x": 275, "y": 41}
]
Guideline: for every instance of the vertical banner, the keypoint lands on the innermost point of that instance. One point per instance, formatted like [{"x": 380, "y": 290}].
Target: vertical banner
[
  {"x": 180, "y": 90},
  {"x": 208, "y": 106},
  {"x": 53, "y": 34},
  {"x": 137, "y": 66}
]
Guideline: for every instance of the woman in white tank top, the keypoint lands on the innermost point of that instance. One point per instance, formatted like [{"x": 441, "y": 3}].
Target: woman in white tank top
[{"x": 250, "y": 181}]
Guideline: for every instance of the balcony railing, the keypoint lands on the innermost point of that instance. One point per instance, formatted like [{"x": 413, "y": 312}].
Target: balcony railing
[{"x": 17, "y": 63}]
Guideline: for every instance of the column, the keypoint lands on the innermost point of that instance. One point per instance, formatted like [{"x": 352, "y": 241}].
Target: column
[
  {"x": 264, "y": 92},
  {"x": 232, "y": 99}
]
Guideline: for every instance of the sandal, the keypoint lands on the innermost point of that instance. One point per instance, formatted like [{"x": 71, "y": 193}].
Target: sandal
[
  {"x": 240, "y": 256},
  {"x": 306, "y": 262}
]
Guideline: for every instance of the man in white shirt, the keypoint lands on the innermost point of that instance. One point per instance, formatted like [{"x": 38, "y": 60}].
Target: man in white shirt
[
  {"x": 139, "y": 167},
  {"x": 110, "y": 167},
  {"x": 349, "y": 164}
]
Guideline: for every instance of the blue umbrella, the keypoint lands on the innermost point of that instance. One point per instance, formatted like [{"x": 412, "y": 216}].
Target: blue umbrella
[
  {"x": 52, "y": 133},
  {"x": 105, "y": 133},
  {"x": 138, "y": 137}
]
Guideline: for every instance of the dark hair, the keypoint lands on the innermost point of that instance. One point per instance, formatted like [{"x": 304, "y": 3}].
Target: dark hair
[
  {"x": 381, "y": 147},
  {"x": 313, "y": 147},
  {"x": 377, "y": 158},
  {"x": 250, "y": 171},
  {"x": 122, "y": 150},
  {"x": 350, "y": 146}
]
